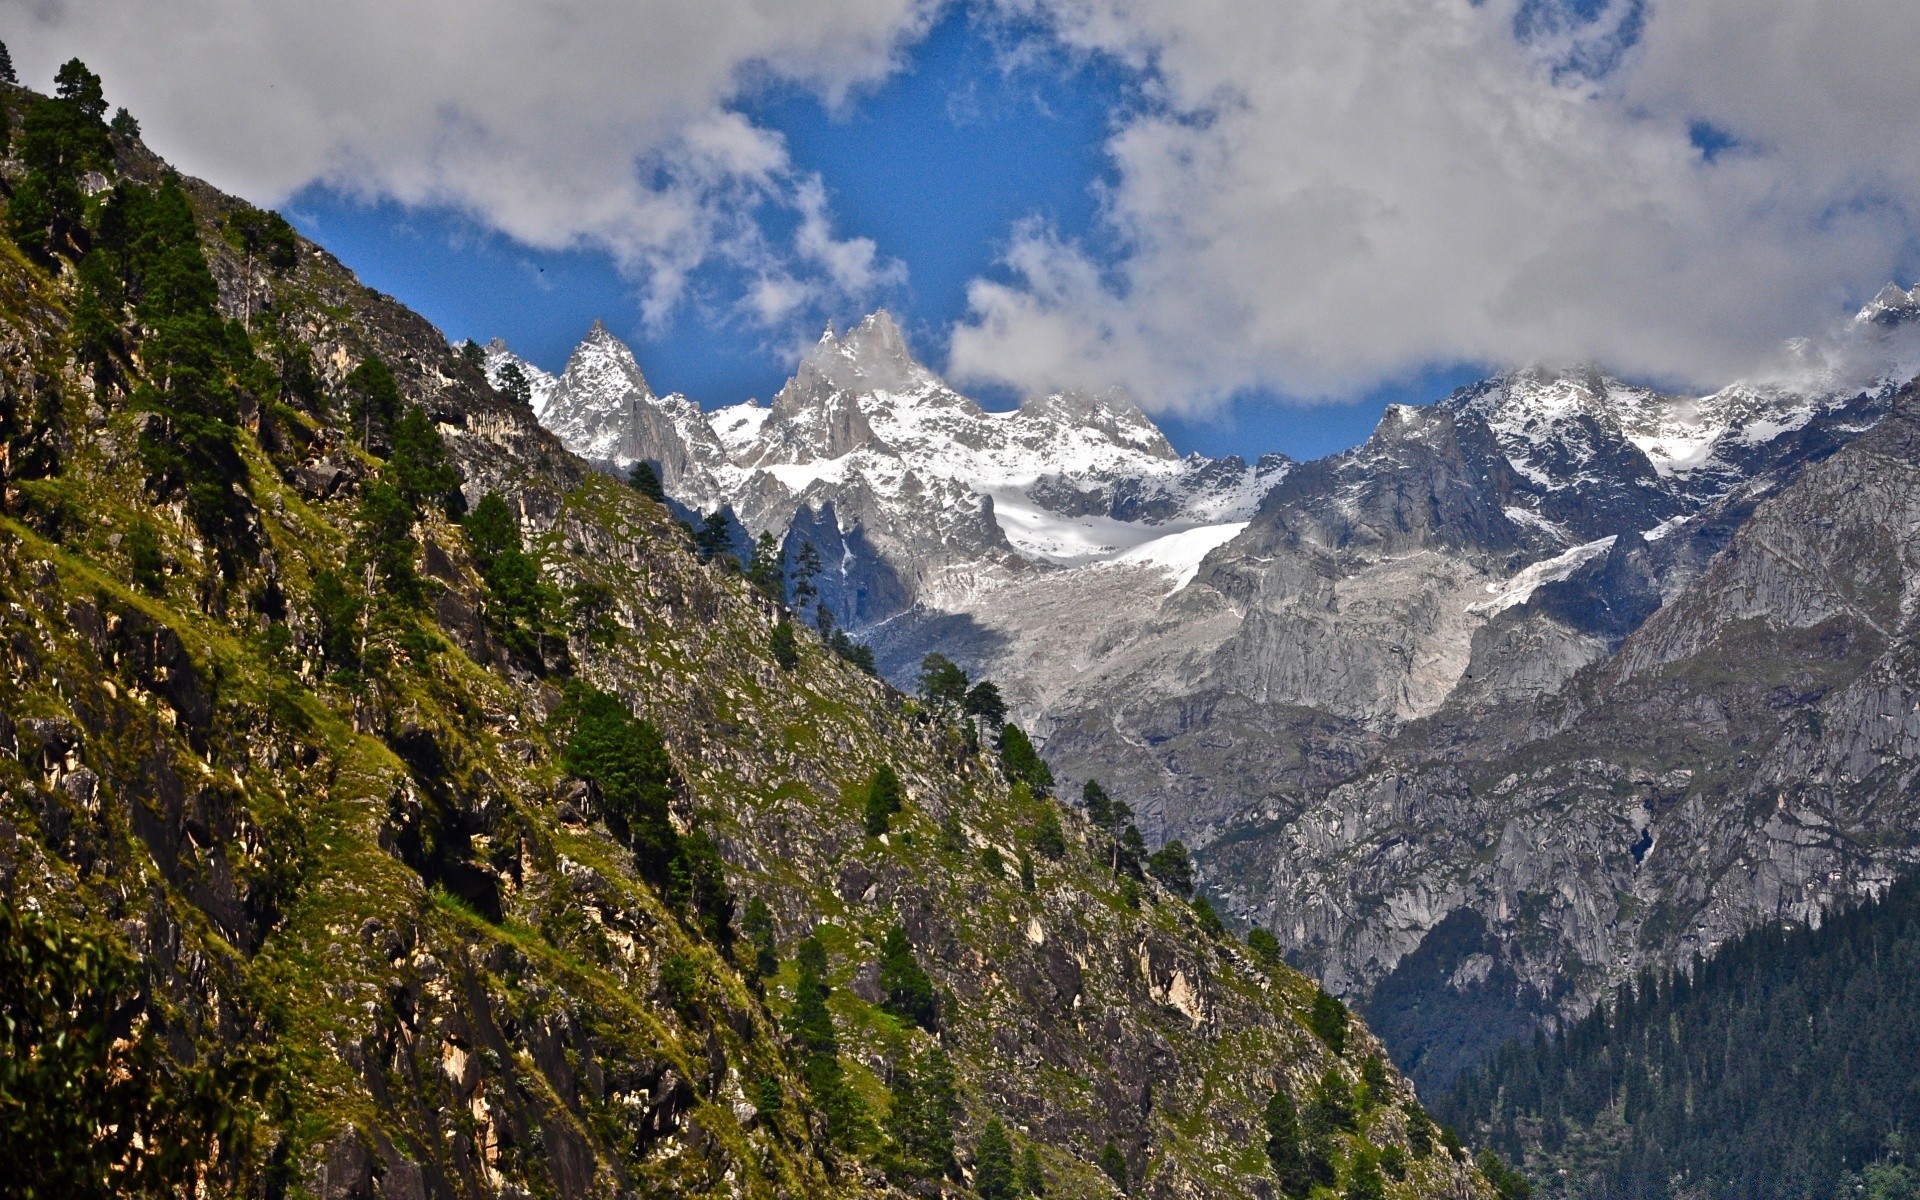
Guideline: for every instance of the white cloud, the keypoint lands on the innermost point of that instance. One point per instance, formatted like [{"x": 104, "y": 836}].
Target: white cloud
[
  {"x": 595, "y": 123},
  {"x": 1325, "y": 194}
]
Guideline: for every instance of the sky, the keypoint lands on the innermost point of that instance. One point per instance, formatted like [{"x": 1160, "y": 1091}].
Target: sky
[{"x": 1265, "y": 221}]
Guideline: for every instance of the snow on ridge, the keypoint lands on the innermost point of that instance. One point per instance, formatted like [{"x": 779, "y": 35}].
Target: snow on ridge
[
  {"x": 738, "y": 425},
  {"x": 540, "y": 384},
  {"x": 1179, "y": 555},
  {"x": 1520, "y": 588}
]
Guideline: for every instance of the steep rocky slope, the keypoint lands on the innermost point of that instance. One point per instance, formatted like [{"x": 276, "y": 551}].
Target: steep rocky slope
[
  {"x": 1745, "y": 755},
  {"x": 325, "y": 806},
  {"x": 1256, "y": 682}
]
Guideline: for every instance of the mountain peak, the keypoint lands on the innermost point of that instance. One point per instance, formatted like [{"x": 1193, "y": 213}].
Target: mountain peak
[
  {"x": 872, "y": 356},
  {"x": 604, "y": 366},
  {"x": 1892, "y": 306}
]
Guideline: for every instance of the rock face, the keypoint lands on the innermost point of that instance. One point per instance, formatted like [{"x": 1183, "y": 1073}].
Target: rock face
[
  {"x": 1292, "y": 667},
  {"x": 385, "y": 874},
  {"x": 1746, "y": 755},
  {"x": 916, "y": 498}
]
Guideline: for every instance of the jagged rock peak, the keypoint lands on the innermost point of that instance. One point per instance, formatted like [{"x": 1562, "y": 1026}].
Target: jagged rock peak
[
  {"x": 872, "y": 356},
  {"x": 603, "y": 366},
  {"x": 1111, "y": 412},
  {"x": 1891, "y": 307}
]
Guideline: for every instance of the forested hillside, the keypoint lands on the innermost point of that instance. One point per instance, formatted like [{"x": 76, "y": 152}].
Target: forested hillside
[
  {"x": 1785, "y": 1066},
  {"x": 390, "y": 806}
]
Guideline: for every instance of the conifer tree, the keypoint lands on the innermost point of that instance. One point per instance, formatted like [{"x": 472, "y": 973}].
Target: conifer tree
[
  {"x": 373, "y": 399},
  {"x": 766, "y": 570},
  {"x": 919, "y": 1124},
  {"x": 785, "y": 647},
  {"x": 642, "y": 478},
  {"x": 943, "y": 684},
  {"x": 757, "y": 924},
  {"x": 1022, "y": 762},
  {"x": 993, "y": 1163},
  {"x": 514, "y": 386},
  {"x": 420, "y": 466},
  {"x": 1048, "y": 838},
  {"x": 626, "y": 761},
  {"x": 1099, "y": 805},
  {"x": 1285, "y": 1152},
  {"x": 811, "y": 1026},
  {"x": 806, "y": 569},
  {"x": 1265, "y": 947},
  {"x": 715, "y": 536},
  {"x": 1114, "y": 1164},
  {"x": 1033, "y": 1181},
  {"x": 885, "y": 797},
  {"x": 909, "y": 992},
  {"x": 1366, "y": 1182},
  {"x": 984, "y": 701},
  {"x": 384, "y": 523},
  {"x": 1172, "y": 866},
  {"x": 1328, "y": 1020},
  {"x": 7, "y": 74}
]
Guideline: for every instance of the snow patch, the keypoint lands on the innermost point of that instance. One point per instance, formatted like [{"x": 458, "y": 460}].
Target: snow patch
[
  {"x": 1179, "y": 555},
  {"x": 1520, "y": 588}
]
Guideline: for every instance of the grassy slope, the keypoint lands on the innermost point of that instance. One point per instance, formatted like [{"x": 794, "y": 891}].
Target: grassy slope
[{"x": 249, "y": 857}]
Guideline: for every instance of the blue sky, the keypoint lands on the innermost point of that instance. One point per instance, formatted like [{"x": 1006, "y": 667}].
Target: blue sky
[{"x": 936, "y": 165}]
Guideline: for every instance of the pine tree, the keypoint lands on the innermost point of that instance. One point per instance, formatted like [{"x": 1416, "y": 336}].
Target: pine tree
[
  {"x": 765, "y": 570},
  {"x": 1330, "y": 1110},
  {"x": 1048, "y": 838},
  {"x": 1114, "y": 1164},
  {"x": 757, "y": 924},
  {"x": 1033, "y": 1181},
  {"x": 1172, "y": 866},
  {"x": 806, "y": 569},
  {"x": 785, "y": 647},
  {"x": 943, "y": 684},
  {"x": 1328, "y": 1020},
  {"x": 993, "y": 1163},
  {"x": 919, "y": 1125},
  {"x": 1285, "y": 1152},
  {"x": 373, "y": 399},
  {"x": 885, "y": 797},
  {"x": 7, "y": 74},
  {"x": 1265, "y": 947},
  {"x": 420, "y": 466},
  {"x": 514, "y": 386},
  {"x": 1209, "y": 920},
  {"x": 1098, "y": 804},
  {"x": 1022, "y": 762},
  {"x": 144, "y": 560},
  {"x": 811, "y": 1026},
  {"x": 384, "y": 523},
  {"x": 984, "y": 701},
  {"x": 1366, "y": 1182},
  {"x": 715, "y": 537},
  {"x": 642, "y": 478},
  {"x": 626, "y": 761},
  {"x": 909, "y": 992}
]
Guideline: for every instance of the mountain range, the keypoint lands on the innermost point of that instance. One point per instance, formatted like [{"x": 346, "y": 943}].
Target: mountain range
[{"x": 1439, "y": 710}]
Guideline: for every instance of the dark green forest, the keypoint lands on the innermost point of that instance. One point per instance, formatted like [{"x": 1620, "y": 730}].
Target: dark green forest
[{"x": 1784, "y": 1066}]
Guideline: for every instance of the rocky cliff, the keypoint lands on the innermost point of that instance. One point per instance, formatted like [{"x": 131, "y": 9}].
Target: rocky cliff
[{"x": 304, "y": 757}]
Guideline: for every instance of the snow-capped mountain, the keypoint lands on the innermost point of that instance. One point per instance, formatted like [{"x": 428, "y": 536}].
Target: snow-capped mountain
[
  {"x": 929, "y": 496},
  {"x": 1253, "y": 654}
]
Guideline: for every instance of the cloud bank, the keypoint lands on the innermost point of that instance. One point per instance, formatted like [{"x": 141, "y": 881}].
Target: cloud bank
[
  {"x": 1326, "y": 194},
  {"x": 1312, "y": 197},
  {"x": 600, "y": 124}
]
